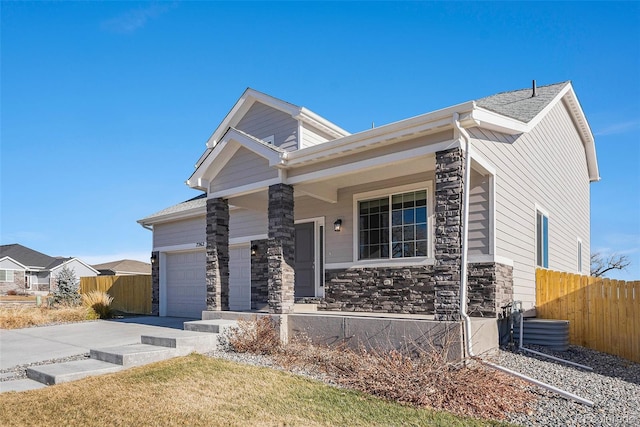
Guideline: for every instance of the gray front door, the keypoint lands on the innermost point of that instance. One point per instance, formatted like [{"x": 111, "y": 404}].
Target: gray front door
[{"x": 305, "y": 260}]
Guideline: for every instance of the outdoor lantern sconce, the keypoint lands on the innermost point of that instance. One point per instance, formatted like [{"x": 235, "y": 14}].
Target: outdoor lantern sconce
[
  {"x": 254, "y": 250},
  {"x": 337, "y": 226},
  {"x": 153, "y": 258}
]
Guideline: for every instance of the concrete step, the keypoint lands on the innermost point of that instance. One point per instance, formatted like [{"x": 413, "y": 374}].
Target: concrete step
[
  {"x": 200, "y": 342},
  {"x": 58, "y": 373},
  {"x": 136, "y": 354},
  {"x": 305, "y": 307},
  {"x": 215, "y": 326},
  {"x": 24, "y": 384}
]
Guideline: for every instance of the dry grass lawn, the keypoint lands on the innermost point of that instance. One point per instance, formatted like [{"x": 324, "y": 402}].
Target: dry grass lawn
[
  {"x": 24, "y": 316},
  {"x": 17, "y": 298},
  {"x": 201, "y": 391}
]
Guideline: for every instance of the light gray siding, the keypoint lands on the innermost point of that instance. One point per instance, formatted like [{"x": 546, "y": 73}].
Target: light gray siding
[
  {"x": 245, "y": 167},
  {"x": 478, "y": 214},
  {"x": 312, "y": 136},
  {"x": 263, "y": 121},
  {"x": 77, "y": 267},
  {"x": 183, "y": 232},
  {"x": 339, "y": 245},
  {"x": 546, "y": 167},
  {"x": 245, "y": 222},
  {"x": 9, "y": 264}
]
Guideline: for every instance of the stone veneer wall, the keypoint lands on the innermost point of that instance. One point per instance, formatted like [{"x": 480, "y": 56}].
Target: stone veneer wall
[
  {"x": 155, "y": 284},
  {"x": 281, "y": 249},
  {"x": 490, "y": 287},
  {"x": 217, "y": 275},
  {"x": 411, "y": 289},
  {"x": 380, "y": 290},
  {"x": 448, "y": 233},
  {"x": 259, "y": 275}
]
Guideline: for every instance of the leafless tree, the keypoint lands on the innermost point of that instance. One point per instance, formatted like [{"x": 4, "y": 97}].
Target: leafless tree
[{"x": 601, "y": 264}]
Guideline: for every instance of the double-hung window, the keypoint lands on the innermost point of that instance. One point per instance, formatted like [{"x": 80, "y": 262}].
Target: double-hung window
[
  {"x": 6, "y": 275},
  {"x": 394, "y": 226},
  {"x": 542, "y": 240}
]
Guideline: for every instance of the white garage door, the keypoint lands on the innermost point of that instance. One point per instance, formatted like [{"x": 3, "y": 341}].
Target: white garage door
[
  {"x": 186, "y": 284},
  {"x": 240, "y": 278}
]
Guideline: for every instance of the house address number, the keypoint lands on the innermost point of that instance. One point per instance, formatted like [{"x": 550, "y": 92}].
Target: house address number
[{"x": 199, "y": 244}]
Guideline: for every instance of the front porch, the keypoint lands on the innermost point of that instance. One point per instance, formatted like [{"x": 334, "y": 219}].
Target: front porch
[{"x": 369, "y": 261}]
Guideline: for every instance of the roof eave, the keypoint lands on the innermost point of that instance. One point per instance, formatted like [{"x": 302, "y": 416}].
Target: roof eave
[
  {"x": 173, "y": 216},
  {"x": 440, "y": 119}
]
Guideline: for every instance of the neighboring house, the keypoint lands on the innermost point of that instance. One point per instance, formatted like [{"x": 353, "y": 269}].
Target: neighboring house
[
  {"x": 22, "y": 268},
  {"x": 124, "y": 267},
  {"x": 296, "y": 207}
]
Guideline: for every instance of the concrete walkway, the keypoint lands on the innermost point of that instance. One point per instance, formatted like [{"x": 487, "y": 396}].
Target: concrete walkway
[{"x": 33, "y": 345}]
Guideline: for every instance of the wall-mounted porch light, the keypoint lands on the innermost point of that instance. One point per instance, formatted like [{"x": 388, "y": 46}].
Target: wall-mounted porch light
[
  {"x": 254, "y": 250},
  {"x": 154, "y": 258},
  {"x": 337, "y": 226}
]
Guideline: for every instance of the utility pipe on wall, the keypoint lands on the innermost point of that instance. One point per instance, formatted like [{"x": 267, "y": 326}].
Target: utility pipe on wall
[{"x": 463, "y": 278}]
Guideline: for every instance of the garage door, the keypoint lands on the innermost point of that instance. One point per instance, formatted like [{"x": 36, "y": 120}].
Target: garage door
[
  {"x": 186, "y": 284},
  {"x": 240, "y": 278}
]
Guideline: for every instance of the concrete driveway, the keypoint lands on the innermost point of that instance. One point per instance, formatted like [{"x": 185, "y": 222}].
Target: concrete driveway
[{"x": 33, "y": 345}]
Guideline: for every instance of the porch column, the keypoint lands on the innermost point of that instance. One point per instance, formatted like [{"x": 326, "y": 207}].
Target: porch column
[
  {"x": 155, "y": 283},
  {"x": 281, "y": 249},
  {"x": 217, "y": 275},
  {"x": 448, "y": 235}
]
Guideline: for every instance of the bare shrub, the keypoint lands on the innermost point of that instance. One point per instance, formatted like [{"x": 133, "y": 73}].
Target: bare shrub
[
  {"x": 257, "y": 336},
  {"x": 417, "y": 377},
  {"x": 100, "y": 302}
]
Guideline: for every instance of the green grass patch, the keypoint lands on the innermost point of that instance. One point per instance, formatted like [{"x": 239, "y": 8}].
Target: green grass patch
[{"x": 201, "y": 391}]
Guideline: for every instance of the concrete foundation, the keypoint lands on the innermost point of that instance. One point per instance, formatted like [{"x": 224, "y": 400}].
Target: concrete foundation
[{"x": 378, "y": 331}]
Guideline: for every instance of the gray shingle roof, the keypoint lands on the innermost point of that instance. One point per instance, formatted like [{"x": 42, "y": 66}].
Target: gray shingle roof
[
  {"x": 194, "y": 203},
  {"x": 519, "y": 104},
  {"x": 125, "y": 265},
  {"x": 26, "y": 256}
]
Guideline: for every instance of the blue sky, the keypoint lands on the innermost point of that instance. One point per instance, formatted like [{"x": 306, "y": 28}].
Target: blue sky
[{"x": 106, "y": 106}]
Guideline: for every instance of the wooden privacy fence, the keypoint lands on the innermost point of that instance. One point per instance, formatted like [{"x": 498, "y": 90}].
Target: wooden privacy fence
[
  {"x": 131, "y": 294},
  {"x": 603, "y": 314}
]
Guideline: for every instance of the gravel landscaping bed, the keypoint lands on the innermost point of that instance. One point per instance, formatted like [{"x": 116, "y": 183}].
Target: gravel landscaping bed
[{"x": 613, "y": 386}]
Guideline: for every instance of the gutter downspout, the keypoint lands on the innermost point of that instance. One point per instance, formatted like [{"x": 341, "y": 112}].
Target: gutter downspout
[
  {"x": 465, "y": 237},
  {"x": 463, "y": 279}
]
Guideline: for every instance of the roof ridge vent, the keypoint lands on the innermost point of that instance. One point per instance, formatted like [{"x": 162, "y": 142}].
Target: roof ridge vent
[{"x": 533, "y": 87}]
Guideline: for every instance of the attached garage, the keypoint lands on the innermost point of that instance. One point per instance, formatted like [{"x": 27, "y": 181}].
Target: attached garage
[
  {"x": 186, "y": 286},
  {"x": 240, "y": 278}
]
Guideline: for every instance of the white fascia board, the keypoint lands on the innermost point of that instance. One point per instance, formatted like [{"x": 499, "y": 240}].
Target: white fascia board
[
  {"x": 582, "y": 125},
  {"x": 363, "y": 165},
  {"x": 495, "y": 121},
  {"x": 224, "y": 151},
  {"x": 24, "y": 267},
  {"x": 57, "y": 267},
  {"x": 434, "y": 120},
  {"x": 321, "y": 123},
  {"x": 174, "y": 216}
]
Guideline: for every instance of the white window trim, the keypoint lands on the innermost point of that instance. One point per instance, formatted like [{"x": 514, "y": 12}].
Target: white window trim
[
  {"x": 580, "y": 248},
  {"x": 390, "y": 262},
  {"x": 543, "y": 211}
]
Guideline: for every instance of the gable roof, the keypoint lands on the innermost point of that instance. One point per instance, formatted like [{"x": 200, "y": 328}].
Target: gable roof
[
  {"x": 26, "y": 256},
  {"x": 520, "y": 104},
  {"x": 125, "y": 266}
]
